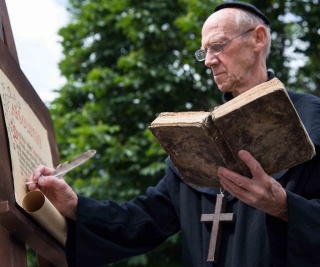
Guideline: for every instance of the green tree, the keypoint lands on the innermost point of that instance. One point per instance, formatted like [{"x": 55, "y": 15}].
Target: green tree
[
  {"x": 125, "y": 62},
  {"x": 296, "y": 39},
  {"x": 305, "y": 33}
]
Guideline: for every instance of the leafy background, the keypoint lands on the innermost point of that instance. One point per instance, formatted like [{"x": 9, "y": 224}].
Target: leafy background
[{"x": 126, "y": 61}]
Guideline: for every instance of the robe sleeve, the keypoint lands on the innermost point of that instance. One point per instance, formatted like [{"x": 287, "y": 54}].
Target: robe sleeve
[
  {"x": 303, "y": 231},
  {"x": 105, "y": 232},
  {"x": 303, "y": 193},
  {"x": 297, "y": 242}
]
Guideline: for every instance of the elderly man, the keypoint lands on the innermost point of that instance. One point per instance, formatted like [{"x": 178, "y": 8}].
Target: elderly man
[{"x": 277, "y": 218}]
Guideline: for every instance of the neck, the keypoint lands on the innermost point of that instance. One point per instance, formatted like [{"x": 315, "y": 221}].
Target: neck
[{"x": 252, "y": 81}]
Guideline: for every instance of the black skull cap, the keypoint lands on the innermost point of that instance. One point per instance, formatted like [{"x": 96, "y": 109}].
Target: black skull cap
[{"x": 245, "y": 6}]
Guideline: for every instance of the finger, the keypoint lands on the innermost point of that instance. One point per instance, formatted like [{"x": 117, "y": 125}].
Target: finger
[
  {"x": 233, "y": 177},
  {"x": 233, "y": 182},
  {"x": 38, "y": 172},
  {"x": 51, "y": 181},
  {"x": 254, "y": 166},
  {"x": 31, "y": 185},
  {"x": 243, "y": 191},
  {"x": 43, "y": 170}
]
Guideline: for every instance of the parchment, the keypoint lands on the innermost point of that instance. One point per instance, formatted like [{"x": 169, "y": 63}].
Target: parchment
[
  {"x": 42, "y": 209},
  {"x": 29, "y": 146}
]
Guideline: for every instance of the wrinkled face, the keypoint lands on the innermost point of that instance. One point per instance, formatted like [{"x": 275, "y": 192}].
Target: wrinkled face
[{"x": 233, "y": 68}]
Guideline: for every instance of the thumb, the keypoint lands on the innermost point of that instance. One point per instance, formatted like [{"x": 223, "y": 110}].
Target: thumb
[{"x": 254, "y": 166}]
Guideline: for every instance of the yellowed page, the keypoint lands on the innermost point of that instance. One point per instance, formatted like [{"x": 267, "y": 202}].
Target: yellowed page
[{"x": 42, "y": 210}]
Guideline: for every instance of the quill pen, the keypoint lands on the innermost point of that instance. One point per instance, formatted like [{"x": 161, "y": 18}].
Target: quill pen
[{"x": 65, "y": 167}]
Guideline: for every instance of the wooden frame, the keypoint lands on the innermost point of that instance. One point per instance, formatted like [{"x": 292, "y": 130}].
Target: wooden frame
[{"x": 16, "y": 227}]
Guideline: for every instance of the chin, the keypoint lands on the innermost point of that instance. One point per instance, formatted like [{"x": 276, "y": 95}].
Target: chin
[{"x": 223, "y": 89}]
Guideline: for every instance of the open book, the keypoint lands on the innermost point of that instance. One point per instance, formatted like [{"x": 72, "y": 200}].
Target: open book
[{"x": 262, "y": 121}]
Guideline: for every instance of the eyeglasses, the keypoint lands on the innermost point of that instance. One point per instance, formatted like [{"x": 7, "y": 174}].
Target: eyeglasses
[{"x": 215, "y": 48}]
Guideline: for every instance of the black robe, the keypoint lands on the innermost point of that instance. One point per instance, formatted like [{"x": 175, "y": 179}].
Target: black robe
[{"x": 106, "y": 231}]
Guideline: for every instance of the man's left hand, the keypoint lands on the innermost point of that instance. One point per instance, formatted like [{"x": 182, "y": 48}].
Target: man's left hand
[{"x": 261, "y": 191}]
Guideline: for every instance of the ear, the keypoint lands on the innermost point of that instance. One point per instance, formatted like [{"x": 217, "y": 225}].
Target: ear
[{"x": 260, "y": 38}]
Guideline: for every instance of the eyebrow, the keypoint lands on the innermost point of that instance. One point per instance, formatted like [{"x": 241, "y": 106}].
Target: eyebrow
[{"x": 212, "y": 40}]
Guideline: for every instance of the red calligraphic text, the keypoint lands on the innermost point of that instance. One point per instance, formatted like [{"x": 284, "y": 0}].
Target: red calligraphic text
[{"x": 16, "y": 113}]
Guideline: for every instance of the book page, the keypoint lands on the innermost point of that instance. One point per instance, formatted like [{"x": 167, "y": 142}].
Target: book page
[{"x": 180, "y": 118}]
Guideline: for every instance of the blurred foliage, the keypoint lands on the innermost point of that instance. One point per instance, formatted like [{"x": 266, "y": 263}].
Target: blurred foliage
[{"x": 126, "y": 61}]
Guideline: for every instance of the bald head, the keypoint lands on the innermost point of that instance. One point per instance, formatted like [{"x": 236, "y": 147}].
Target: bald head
[
  {"x": 236, "y": 43},
  {"x": 237, "y": 19}
]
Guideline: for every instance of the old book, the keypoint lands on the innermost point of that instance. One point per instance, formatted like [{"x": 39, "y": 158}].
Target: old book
[{"x": 262, "y": 121}]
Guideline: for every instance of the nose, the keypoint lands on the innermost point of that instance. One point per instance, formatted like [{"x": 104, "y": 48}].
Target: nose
[{"x": 211, "y": 59}]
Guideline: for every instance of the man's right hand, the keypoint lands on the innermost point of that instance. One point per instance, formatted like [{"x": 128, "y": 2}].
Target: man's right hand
[{"x": 56, "y": 190}]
